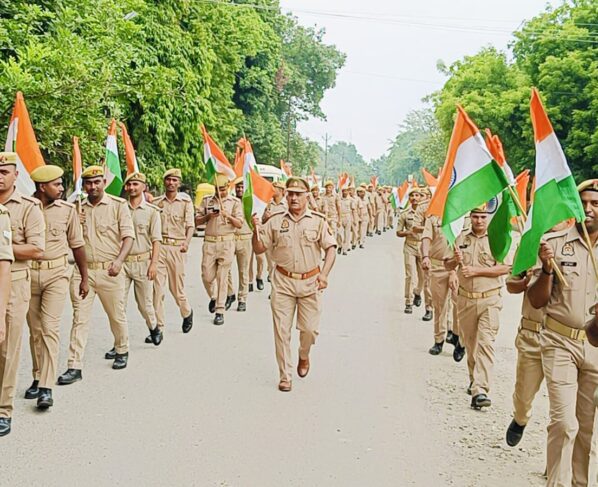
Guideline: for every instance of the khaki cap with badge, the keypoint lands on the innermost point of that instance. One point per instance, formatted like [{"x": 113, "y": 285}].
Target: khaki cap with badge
[
  {"x": 222, "y": 180},
  {"x": 45, "y": 174},
  {"x": 136, "y": 176},
  {"x": 92, "y": 172},
  {"x": 297, "y": 185},
  {"x": 8, "y": 158},
  {"x": 173, "y": 173}
]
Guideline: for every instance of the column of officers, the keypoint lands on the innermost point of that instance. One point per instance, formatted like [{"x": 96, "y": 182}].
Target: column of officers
[{"x": 557, "y": 335}]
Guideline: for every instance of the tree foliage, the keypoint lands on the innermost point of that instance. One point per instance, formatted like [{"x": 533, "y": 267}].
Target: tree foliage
[{"x": 164, "y": 67}]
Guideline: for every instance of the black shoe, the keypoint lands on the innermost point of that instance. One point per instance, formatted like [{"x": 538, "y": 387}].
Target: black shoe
[
  {"x": 188, "y": 323},
  {"x": 33, "y": 391},
  {"x": 436, "y": 349},
  {"x": 120, "y": 362},
  {"x": 242, "y": 307},
  {"x": 70, "y": 376},
  {"x": 452, "y": 338},
  {"x": 378, "y": 232},
  {"x": 469, "y": 388},
  {"x": 344, "y": 253},
  {"x": 428, "y": 315},
  {"x": 219, "y": 319},
  {"x": 360, "y": 246},
  {"x": 259, "y": 283},
  {"x": 5, "y": 426},
  {"x": 156, "y": 336},
  {"x": 45, "y": 401},
  {"x": 352, "y": 247},
  {"x": 212, "y": 306},
  {"x": 408, "y": 309},
  {"x": 514, "y": 433},
  {"x": 229, "y": 301},
  {"x": 250, "y": 288},
  {"x": 339, "y": 250},
  {"x": 480, "y": 401},
  {"x": 458, "y": 352},
  {"x": 148, "y": 339},
  {"x": 417, "y": 300},
  {"x": 111, "y": 355},
  {"x": 268, "y": 278}
]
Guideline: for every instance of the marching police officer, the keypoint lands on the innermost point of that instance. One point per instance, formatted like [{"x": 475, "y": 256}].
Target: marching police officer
[{"x": 6, "y": 259}]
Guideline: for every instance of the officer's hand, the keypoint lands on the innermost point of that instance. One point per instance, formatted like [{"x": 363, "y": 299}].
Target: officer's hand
[
  {"x": 426, "y": 263},
  {"x": 82, "y": 217},
  {"x": 322, "y": 282},
  {"x": 546, "y": 255},
  {"x": 256, "y": 222},
  {"x": 152, "y": 271},
  {"x": 453, "y": 282},
  {"x": 83, "y": 288},
  {"x": 458, "y": 256},
  {"x": 469, "y": 271},
  {"x": 184, "y": 247},
  {"x": 114, "y": 269}
]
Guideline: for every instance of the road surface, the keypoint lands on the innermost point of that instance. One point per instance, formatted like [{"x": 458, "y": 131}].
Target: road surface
[{"x": 203, "y": 409}]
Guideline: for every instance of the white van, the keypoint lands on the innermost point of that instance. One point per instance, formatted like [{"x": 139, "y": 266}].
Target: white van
[{"x": 271, "y": 173}]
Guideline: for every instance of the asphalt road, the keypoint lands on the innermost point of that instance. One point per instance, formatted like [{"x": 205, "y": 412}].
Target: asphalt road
[{"x": 203, "y": 409}]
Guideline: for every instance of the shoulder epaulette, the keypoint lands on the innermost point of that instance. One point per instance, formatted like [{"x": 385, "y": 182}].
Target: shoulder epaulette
[
  {"x": 279, "y": 212},
  {"x": 159, "y": 198},
  {"x": 64, "y": 203},
  {"x": 118, "y": 199},
  {"x": 184, "y": 196},
  {"x": 31, "y": 199},
  {"x": 317, "y": 213},
  {"x": 154, "y": 207},
  {"x": 559, "y": 233}
]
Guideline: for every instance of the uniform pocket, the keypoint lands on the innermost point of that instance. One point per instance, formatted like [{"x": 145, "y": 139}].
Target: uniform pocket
[
  {"x": 310, "y": 236},
  {"x": 56, "y": 229},
  {"x": 142, "y": 228}
]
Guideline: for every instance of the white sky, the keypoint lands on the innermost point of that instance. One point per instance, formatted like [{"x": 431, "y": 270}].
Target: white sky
[{"x": 392, "y": 56}]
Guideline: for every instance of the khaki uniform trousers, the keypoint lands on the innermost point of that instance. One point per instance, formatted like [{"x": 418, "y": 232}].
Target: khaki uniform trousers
[
  {"x": 411, "y": 255},
  {"x": 571, "y": 371},
  {"x": 346, "y": 233},
  {"x": 389, "y": 218},
  {"x": 171, "y": 268},
  {"x": 442, "y": 298},
  {"x": 111, "y": 291},
  {"x": 371, "y": 224},
  {"x": 339, "y": 230},
  {"x": 424, "y": 277},
  {"x": 363, "y": 229},
  {"x": 49, "y": 288},
  {"x": 379, "y": 221},
  {"x": 355, "y": 232},
  {"x": 478, "y": 320},
  {"x": 309, "y": 310},
  {"x": 529, "y": 374},
  {"x": 143, "y": 288},
  {"x": 243, "y": 254},
  {"x": 260, "y": 262},
  {"x": 215, "y": 265},
  {"x": 10, "y": 348}
]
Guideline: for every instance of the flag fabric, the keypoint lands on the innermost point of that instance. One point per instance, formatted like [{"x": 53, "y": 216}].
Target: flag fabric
[
  {"x": 521, "y": 182},
  {"x": 113, "y": 175},
  {"x": 214, "y": 159},
  {"x": 258, "y": 191},
  {"x": 286, "y": 170},
  {"x": 374, "y": 181},
  {"x": 395, "y": 201},
  {"x": 344, "y": 180},
  {"x": 131, "y": 158},
  {"x": 238, "y": 164},
  {"x": 501, "y": 209},
  {"x": 403, "y": 194},
  {"x": 314, "y": 179},
  {"x": 430, "y": 180},
  {"x": 470, "y": 177},
  {"x": 21, "y": 139},
  {"x": 555, "y": 196},
  {"x": 77, "y": 170}
]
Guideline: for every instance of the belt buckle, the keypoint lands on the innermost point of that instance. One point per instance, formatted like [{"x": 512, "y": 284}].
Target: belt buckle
[
  {"x": 575, "y": 333},
  {"x": 294, "y": 275}
]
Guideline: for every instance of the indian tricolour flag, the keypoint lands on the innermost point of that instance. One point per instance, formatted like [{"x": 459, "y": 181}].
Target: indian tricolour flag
[
  {"x": 403, "y": 193},
  {"x": 21, "y": 139},
  {"x": 470, "y": 177},
  {"x": 113, "y": 175},
  {"x": 214, "y": 158},
  {"x": 501, "y": 209},
  {"x": 77, "y": 170},
  {"x": 131, "y": 158},
  {"x": 258, "y": 191},
  {"x": 395, "y": 201},
  {"x": 555, "y": 197}
]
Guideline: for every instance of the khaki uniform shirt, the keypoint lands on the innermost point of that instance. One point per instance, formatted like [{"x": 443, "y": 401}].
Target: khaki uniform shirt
[
  {"x": 329, "y": 206},
  {"x": 176, "y": 216},
  {"x": 572, "y": 306},
  {"x": 408, "y": 219},
  {"x": 147, "y": 225},
  {"x": 439, "y": 247},
  {"x": 297, "y": 246},
  {"x": 63, "y": 229},
  {"x": 5, "y": 236},
  {"x": 220, "y": 225},
  {"x": 106, "y": 225},
  {"x": 27, "y": 224},
  {"x": 378, "y": 203},
  {"x": 346, "y": 207},
  {"x": 362, "y": 209},
  {"x": 476, "y": 252}
]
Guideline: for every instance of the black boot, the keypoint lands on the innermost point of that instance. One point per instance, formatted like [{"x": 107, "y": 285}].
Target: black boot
[
  {"x": 259, "y": 284},
  {"x": 436, "y": 349},
  {"x": 111, "y": 354},
  {"x": 219, "y": 319},
  {"x": 458, "y": 352},
  {"x": 45, "y": 401},
  {"x": 417, "y": 300},
  {"x": 5, "y": 424},
  {"x": 250, "y": 287},
  {"x": 33, "y": 391},
  {"x": 514, "y": 433},
  {"x": 120, "y": 362},
  {"x": 408, "y": 309},
  {"x": 156, "y": 336},
  {"x": 428, "y": 315},
  {"x": 242, "y": 307},
  {"x": 212, "y": 305},
  {"x": 188, "y": 323},
  {"x": 69, "y": 377},
  {"x": 480, "y": 401},
  {"x": 452, "y": 338},
  {"x": 229, "y": 301}
]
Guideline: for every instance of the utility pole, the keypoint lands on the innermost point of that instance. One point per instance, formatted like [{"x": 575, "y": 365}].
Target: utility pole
[{"x": 326, "y": 138}]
